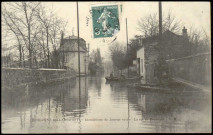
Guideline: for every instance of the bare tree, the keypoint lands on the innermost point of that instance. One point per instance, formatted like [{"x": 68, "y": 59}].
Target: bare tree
[
  {"x": 34, "y": 28},
  {"x": 45, "y": 20},
  {"x": 57, "y": 25},
  {"x": 22, "y": 18},
  {"x": 52, "y": 26},
  {"x": 15, "y": 32},
  {"x": 149, "y": 25},
  {"x": 119, "y": 55},
  {"x": 200, "y": 40}
]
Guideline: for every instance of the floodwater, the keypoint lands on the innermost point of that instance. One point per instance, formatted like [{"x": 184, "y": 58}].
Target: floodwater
[{"x": 99, "y": 107}]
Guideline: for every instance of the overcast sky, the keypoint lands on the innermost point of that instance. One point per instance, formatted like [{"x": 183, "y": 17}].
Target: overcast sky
[{"x": 190, "y": 13}]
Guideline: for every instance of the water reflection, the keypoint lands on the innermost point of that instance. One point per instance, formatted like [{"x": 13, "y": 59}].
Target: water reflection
[{"x": 95, "y": 106}]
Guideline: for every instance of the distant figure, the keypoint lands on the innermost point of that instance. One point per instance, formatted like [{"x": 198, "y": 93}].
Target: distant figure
[
  {"x": 122, "y": 76},
  {"x": 111, "y": 75}
]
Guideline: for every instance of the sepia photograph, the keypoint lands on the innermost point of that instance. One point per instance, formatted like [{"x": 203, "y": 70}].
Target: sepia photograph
[{"x": 106, "y": 67}]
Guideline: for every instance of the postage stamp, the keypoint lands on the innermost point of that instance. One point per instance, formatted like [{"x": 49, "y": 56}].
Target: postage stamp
[{"x": 105, "y": 21}]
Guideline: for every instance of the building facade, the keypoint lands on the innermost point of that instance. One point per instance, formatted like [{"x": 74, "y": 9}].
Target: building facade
[
  {"x": 141, "y": 64},
  {"x": 69, "y": 54},
  {"x": 172, "y": 46}
]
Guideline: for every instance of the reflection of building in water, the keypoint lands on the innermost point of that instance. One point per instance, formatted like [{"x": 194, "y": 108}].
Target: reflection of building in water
[
  {"x": 75, "y": 101},
  {"x": 169, "y": 112},
  {"x": 43, "y": 102},
  {"x": 96, "y": 82},
  {"x": 119, "y": 91},
  {"x": 142, "y": 102}
]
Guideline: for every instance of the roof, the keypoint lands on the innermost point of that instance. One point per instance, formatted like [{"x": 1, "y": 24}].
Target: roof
[
  {"x": 73, "y": 37},
  {"x": 167, "y": 36},
  {"x": 172, "y": 45},
  {"x": 70, "y": 44}
]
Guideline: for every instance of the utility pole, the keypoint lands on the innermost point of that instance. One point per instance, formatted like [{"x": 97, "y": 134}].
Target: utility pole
[
  {"x": 48, "y": 51},
  {"x": 161, "y": 59},
  {"x": 160, "y": 20},
  {"x": 160, "y": 27},
  {"x": 127, "y": 47},
  {"x": 88, "y": 49},
  {"x": 85, "y": 63},
  {"x": 63, "y": 58},
  {"x": 79, "y": 68}
]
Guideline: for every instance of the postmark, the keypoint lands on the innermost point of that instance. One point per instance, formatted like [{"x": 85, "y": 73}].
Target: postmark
[{"x": 105, "y": 21}]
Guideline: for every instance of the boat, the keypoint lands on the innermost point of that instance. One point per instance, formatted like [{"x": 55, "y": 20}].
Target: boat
[
  {"x": 111, "y": 79},
  {"x": 129, "y": 79}
]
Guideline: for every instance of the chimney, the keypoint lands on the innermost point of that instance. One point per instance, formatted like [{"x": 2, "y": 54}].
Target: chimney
[
  {"x": 184, "y": 31},
  {"x": 62, "y": 37}
]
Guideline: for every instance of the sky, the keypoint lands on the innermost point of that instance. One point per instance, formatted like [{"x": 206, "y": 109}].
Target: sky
[{"x": 196, "y": 14}]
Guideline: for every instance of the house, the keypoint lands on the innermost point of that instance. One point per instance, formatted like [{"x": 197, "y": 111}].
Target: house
[
  {"x": 172, "y": 46},
  {"x": 69, "y": 53},
  {"x": 140, "y": 65}
]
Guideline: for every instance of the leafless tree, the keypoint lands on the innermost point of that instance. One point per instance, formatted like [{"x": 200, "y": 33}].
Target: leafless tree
[
  {"x": 45, "y": 21},
  {"x": 52, "y": 27},
  {"x": 119, "y": 55},
  {"x": 15, "y": 33},
  {"x": 34, "y": 28},
  {"x": 21, "y": 17},
  {"x": 149, "y": 25},
  {"x": 200, "y": 40}
]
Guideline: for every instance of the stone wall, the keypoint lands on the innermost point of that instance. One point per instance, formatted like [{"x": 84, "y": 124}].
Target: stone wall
[
  {"x": 151, "y": 54},
  {"x": 195, "y": 69},
  {"x": 13, "y": 77}
]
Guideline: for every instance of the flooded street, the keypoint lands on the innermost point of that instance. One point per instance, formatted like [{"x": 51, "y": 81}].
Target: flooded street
[{"x": 97, "y": 106}]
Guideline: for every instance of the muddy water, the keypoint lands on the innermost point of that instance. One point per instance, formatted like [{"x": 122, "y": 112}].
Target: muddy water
[{"x": 97, "y": 106}]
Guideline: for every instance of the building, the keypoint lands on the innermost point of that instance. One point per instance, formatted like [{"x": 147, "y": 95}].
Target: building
[
  {"x": 172, "y": 46},
  {"x": 69, "y": 54},
  {"x": 140, "y": 65},
  {"x": 7, "y": 61}
]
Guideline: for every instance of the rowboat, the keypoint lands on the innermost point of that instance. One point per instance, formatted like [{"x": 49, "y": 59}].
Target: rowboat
[
  {"x": 129, "y": 79},
  {"x": 112, "y": 78}
]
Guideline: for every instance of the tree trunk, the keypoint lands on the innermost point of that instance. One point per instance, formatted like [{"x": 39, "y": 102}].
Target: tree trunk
[
  {"x": 23, "y": 56},
  {"x": 20, "y": 55},
  {"x": 44, "y": 60},
  {"x": 48, "y": 51},
  {"x": 30, "y": 51}
]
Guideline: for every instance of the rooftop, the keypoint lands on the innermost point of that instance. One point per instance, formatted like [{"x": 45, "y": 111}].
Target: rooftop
[
  {"x": 73, "y": 37},
  {"x": 69, "y": 44}
]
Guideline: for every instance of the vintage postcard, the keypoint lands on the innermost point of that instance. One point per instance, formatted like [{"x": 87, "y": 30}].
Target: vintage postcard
[{"x": 106, "y": 67}]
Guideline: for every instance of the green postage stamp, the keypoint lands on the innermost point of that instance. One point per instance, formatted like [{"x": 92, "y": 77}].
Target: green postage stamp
[{"x": 105, "y": 21}]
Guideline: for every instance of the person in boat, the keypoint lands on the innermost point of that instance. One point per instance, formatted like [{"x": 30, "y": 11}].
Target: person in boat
[
  {"x": 122, "y": 76},
  {"x": 111, "y": 75}
]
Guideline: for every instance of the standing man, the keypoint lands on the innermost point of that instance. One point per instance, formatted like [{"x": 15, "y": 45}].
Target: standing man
[{"x": 111, "y": 75}]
